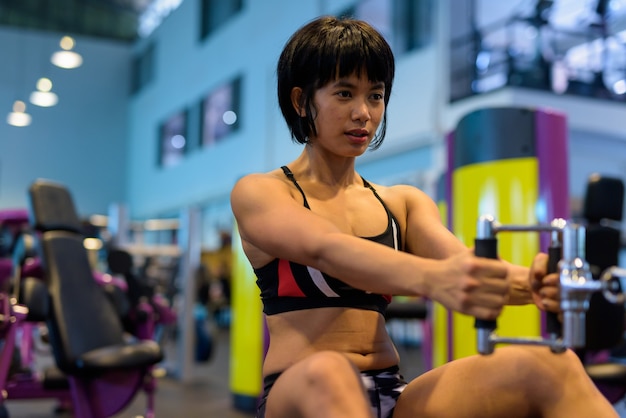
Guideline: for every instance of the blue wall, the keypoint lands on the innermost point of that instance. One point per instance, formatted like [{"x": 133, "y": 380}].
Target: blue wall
[
  {"x": 83, "y": 141},
  {"x": 103, "y": 143},
  {"x": 188, "y": 68},
  {"x": 248, "y": 45}
]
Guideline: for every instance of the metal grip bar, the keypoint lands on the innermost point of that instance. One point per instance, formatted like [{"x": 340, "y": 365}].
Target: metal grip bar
[
  {"x": 487, "y": 248},
  {"x": 553, "y": 325},
  {"x": 485, "y": 245},
  {"x": 577, "y": 285}
]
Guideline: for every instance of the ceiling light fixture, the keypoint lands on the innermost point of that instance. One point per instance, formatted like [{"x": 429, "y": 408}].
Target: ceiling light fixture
[
  {"x": 66, "y": 58},
  {"x": 43, "y": 96},
  {"x": 19, "y": 117}
]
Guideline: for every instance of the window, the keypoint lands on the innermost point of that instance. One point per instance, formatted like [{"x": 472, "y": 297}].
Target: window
[
  {"x": 406, "y": 24},
  {"x": 142, "y": 69},
  {"x": 173, "y": 139},
  {"x": 413, "y": 23},
  {"x": 221, "y": 112},
  {"x": 563, "y": 46},
  {"x": 214, "y": 13}
]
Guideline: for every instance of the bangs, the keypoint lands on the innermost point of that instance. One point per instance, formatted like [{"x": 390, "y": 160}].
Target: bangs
[
  {"x": 350, "y": 51},
  {"x": 323, "y": 51}
]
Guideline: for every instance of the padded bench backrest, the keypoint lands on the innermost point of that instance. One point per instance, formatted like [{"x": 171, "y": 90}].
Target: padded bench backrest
[
  {"x": 604, "y": 199},
  {"x": 52, "y": 207},
  {"x": 81, "y": 317}
]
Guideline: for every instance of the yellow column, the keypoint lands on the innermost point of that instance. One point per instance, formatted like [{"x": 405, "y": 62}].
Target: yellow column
[{"x": 247, "y": 332}]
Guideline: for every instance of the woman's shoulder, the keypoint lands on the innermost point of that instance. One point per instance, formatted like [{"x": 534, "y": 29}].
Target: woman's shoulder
[
  {"x": 260, "y": 184},
  {"x": 400, "y": 191},
  {"x": 402, "y": 199},
  {"x": 270, "y": 177}
]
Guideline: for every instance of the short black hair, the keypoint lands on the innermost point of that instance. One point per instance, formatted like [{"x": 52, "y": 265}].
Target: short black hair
[{"x": 323, "y": 50}]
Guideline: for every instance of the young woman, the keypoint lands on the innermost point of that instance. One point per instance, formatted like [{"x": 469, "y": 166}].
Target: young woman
[{"x": 329, "y": 248}]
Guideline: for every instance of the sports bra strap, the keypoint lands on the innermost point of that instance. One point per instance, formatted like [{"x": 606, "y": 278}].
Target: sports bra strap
[
  {"x": 393, "y": 223},
  {"x": 369, "y": 186},
  {"x": 290, "y": 176}
]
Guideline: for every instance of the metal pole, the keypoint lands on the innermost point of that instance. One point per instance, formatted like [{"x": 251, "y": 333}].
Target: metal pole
[{"x": 189, "y": 234}]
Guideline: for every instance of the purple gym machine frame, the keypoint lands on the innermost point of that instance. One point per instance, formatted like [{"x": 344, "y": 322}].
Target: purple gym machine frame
[{"x": 82, "y": 396}]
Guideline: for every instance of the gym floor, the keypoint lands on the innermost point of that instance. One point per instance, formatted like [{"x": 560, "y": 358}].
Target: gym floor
[{"x": 207, "y": 394}]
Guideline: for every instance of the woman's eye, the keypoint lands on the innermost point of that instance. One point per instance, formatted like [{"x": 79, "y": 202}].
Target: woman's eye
[
  {"x": 343, "y": 93},
  {"x": 377, "y": 96}
]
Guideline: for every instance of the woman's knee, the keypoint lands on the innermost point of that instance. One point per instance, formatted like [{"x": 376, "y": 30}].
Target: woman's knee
[
  {"x": 322, "y": 382},
  {"x": 539, "y": 364},
  {"x": 542, "y": 356},
  {"x": 329, "y": 367}
]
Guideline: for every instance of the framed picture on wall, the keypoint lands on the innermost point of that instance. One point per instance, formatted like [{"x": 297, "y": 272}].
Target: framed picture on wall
[
  {"x": 220, "y": 112},
  {"x": 173, "y": 141}
]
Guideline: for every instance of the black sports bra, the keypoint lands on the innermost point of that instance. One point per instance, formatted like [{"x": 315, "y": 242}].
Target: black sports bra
[{"x": 288, "y": 286}]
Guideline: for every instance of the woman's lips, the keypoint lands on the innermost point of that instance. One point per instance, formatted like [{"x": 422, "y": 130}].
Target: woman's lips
[{"x": 358, "y": 136}]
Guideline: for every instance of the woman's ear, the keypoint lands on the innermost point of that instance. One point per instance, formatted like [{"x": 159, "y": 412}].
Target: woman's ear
[{"x": 296, "y": 101}]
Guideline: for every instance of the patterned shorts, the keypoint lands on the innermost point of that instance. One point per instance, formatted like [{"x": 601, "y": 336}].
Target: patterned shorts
[{"x": 383, "y": 386}]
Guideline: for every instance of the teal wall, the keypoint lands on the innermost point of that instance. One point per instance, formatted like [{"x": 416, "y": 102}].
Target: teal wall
[
  {"x": 249, "y": 45},
  {"x": 83, "y": 141},
  {"x": 102, "y": 142}
]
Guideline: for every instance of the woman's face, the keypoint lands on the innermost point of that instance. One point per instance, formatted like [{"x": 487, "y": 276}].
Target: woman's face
[{"x": 347, "y": 114}]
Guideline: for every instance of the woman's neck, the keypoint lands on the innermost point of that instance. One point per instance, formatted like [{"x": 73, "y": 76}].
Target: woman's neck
[{"x": 332, "y": 171}]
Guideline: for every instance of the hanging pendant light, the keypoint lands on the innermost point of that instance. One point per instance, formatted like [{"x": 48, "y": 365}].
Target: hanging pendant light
[
  {"x": 43, "y": 96},
  {"x": 66, "y": 58},
  {"x": 19, "y": 117}
]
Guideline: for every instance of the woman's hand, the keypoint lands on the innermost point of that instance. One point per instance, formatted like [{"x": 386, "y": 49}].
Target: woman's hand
[
  {"x": 543, "y": 286},
  {"x": 472, "y": 285}
]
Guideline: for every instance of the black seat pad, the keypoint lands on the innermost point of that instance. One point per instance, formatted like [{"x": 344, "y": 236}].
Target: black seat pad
[{"x": 138, "y": 354}]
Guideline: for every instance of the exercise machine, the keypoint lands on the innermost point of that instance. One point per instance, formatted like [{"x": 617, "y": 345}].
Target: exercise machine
[
  {"x": 566, "y": 257},
  {"x": 102, "y": 366}
]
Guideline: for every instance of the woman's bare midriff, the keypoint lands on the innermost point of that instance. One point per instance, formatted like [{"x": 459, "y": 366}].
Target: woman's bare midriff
[{"x": 359, "y": 334}]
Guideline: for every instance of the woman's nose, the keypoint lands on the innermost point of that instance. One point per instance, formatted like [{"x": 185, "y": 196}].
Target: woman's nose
[{"x": 361, "y": 111}]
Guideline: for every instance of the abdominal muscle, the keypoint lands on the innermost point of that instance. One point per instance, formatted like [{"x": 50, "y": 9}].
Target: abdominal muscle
[{"x": 359, "y": 334}]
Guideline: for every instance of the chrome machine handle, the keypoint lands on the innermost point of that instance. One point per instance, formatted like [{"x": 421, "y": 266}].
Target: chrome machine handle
[{"x": 576, "y": 284}]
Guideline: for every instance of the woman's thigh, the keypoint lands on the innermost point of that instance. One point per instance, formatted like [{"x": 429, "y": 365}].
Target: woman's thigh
[
  {"x": 323, "y": 384},
  {"x": 515, "y": 381}
]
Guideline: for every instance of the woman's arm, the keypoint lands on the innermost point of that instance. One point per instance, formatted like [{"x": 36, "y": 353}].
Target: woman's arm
[
  {"x": 272, "y": 223},
  {"x": 520, "y": 292},
  {"x": 428, "y": 237}
]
